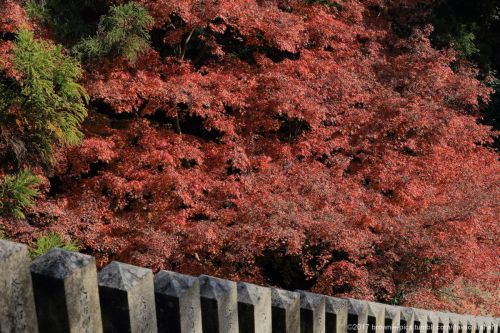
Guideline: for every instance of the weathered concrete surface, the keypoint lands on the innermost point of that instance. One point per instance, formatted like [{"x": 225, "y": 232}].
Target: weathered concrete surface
[
  {"x": 433, "y": 322},
  {"x": 219, "y": 305},
  {"x": 376, "y": 318},
  {"x": 254, "y": 308},
  {"x": 454, "y": 322},
  {"x": 472, "y": 323},
  {"x": 178, "y": 305},
  {"x": 406, "y": 322},
  {"x": 487, "y": 325},
  {"x": 479, "y": 325},
  {"x": 66, "y": 294},
  {"x": 462, "y": 324},
  {"x": 336, "y": 315},
  {"x": 443, "y": 322},
  {"x": 392, "y": 319},
  {"x": 17, "y": 303},
  {"x": 357, "y": 316},
  {"x": 285, "y": 311},
  {"x": 312, "y": 312},
  {"x": 420, "y": 322},
  {"x": 493, "y": 324},
  {"x": 127, "y": 299}
]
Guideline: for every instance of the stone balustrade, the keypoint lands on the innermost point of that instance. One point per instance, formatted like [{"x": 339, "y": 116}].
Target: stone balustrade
[{"x": 62, "y": 291}]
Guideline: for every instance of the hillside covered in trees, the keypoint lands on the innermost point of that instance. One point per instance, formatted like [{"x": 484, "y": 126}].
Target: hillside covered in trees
[{"x": 344, "y": 147}]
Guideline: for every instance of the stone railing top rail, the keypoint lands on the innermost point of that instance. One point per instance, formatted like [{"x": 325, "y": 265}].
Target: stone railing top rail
[{"x": 62, "y": 291}]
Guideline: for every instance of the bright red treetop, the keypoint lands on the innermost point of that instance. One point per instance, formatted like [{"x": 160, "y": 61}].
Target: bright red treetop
[{"x": 288, "y": 143}]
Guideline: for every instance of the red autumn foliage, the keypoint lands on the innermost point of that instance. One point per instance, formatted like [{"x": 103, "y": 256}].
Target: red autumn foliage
[{"x": 291, "y": 144}]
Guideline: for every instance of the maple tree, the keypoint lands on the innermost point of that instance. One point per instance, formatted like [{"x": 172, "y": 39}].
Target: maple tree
[{"x": 302, "y": 144}]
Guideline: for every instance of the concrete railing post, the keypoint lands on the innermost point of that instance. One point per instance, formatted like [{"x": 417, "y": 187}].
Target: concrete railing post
[
  {"x": 127, "y": 299},
  {"x": 471, "y": 324},
  {"x": 285, "y": 311},
  {"x": 443, "y": 322},
  {"x": 491, "y": 324},
  {"x": 336, "y": 315},
  {"x": 495, "y": 325},
  {"x": 312, "y": 312},
  {"x": 432, "y": 322},
  {"x": 420, "y": 323},
  {"x": 17, "y": 303},
  {"x": 178, "y": 306},
  {"x": 219, "y": 305},
  {"x": 480, "y": 325},
  {"x": 487, "y": 325},
  {"x": 482, "y": 322},
  {"x": 392, "y": 319},
  {"x": 477, "y": 324},
  {"x": 357, "y": 316},
  {"x": 254, "y": 308},
  {"x": 376, "y": 320},
  {"x": 66, "y": 294},
  {"x": 462, "y": 327},
  {"x": 406, "y": 320},
  {"x": 455, "y": 323}
]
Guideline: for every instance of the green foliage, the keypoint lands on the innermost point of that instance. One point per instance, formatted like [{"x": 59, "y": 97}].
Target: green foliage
[
  {"x": 17, "y": 193},
  {"x": 462, "y": 38},
  {"x": 47, "y": 103},
  {"x": 123, "y": 31},
  {"x": 465, "y": 44},
  {"x": 37, "y": 11},
  {"x": 45, "y": 243}
]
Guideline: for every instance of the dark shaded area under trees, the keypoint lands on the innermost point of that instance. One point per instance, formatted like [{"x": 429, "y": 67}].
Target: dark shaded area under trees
[{"x": 472, "y": 27}]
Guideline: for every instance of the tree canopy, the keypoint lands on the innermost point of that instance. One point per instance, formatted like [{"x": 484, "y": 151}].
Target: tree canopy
[{"x": 324, "y": 145}]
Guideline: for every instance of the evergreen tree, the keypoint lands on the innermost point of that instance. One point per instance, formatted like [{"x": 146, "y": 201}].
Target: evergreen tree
[
  {"x": 123, "y": 31},
  {"x": 43, "y": 105}
]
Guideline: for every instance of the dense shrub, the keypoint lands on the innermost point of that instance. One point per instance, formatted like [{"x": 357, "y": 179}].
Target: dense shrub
[{"x": 42, "y": 104}]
